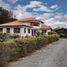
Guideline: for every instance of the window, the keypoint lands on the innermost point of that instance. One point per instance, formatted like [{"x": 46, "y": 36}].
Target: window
[
  {"x": 16, "y": 30},
  {"x": 8, "y": 30},
  {"x": 24, "y": 30},
  {"x": 36, "y": 24},
  {"x": 28, "y": 30},
  {"x": 1, "y": 29}
]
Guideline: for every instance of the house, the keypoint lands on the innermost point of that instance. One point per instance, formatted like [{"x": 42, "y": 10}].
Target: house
[
  {"x": 25, "y": 27},
  {"x": 45, "y": 29}
]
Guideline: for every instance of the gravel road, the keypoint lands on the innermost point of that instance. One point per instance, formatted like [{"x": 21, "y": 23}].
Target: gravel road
[{"x": 53, "y": 56}]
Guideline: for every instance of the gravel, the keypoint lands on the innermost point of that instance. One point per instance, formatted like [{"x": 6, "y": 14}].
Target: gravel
[{"x": 52, "y": 56}]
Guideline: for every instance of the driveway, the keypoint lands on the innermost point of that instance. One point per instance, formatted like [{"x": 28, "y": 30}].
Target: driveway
[{"x": 55, "y": 55}]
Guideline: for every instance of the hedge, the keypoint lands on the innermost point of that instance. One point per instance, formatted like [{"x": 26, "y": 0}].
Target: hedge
[
  {"x": 4, "y": 37},
  {"x": 52, "y": 32},
  {"x": 20, "y": 47}
]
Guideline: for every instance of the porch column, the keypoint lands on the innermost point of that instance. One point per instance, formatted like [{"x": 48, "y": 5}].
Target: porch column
[
  {"x": 4, "y": 30},
  {"x": 12, "y": 31},
  {"x": 22, "y": 31}
]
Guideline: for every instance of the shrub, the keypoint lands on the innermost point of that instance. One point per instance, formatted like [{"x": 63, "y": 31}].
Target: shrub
[
  {"x": 3, "y": 37},
  {"x": 52, "y": 32},
  {"x": 52, "y": 38},
  {"x": 8, "y": 52},
  {"x": 20, "y": 47},
  {"x": 26, "y": 44},
  {"x": 14, "y": 36},
  {"x": 40, "y": 42}
]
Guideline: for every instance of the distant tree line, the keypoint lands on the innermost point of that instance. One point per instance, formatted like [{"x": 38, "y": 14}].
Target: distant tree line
[
  {"x": 62, "y": 32},
  {"x": 6, "y": 16}
]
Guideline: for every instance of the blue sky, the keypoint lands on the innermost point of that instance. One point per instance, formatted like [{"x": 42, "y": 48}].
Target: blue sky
[
  {"x": 61, "y": 3},
  {"x": 52, "y": 12}
]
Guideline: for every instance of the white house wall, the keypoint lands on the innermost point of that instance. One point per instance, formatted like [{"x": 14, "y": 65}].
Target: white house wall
[
  {"x": 48, "y": 31},
  {"x": 21, "y": 31},
  {"x": 4, "y": 30},
  {"x": 12, "y": 31},
  {"x": 41, "y": 24},
  {"x": 26, "y": 34}
]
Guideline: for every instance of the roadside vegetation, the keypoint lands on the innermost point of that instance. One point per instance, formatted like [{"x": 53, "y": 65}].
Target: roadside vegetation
[
  {"x": 12, "y": 49},
  {"x": 62, "y": 32}
]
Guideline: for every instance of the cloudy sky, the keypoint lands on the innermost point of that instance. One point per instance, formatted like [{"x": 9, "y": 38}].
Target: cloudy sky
[{"x": 52, "y": 12}]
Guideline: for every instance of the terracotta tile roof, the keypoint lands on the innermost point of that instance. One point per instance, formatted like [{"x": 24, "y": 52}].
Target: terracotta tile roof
[
  {"x": 15, "y": 23},
  {"x": 44, "y": 26},
  {"x": 24, "y": 22},
  {"x": 30, "y": 20}
]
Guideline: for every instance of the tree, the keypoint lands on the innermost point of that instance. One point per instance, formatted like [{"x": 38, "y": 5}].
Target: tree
[{"x": 5, "y": 16}]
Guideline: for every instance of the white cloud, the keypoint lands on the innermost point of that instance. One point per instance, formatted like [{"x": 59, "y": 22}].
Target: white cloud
[
  {"x": 36, "y": 3},
  {"x": 19, "y": 9},
  {"x": 32, "y": 4},
  {"x": 12, "y": 1},
  {"x": 58, "y": 20},
  {"x": 5, "y": 5},
  {"x": 54, "y": 6},
  {"x": 46, "y": 16},
  {"x": 22, "y": 14},
  {"x": 59, "y": 26},
  {"x": 43, "y": 8},
  {"x": 39, "y": 5},
  {"x": 65, "y": 15}
]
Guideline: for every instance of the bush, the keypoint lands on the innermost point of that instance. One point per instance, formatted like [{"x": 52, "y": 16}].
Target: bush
[
  {"x": 20, "y": 47},
  {"x": 52, "y": 32},
  {"x": 14, "y": 36},
  {"x": 8, "y": 52},
  {"x": 40, "y": 42},
  {"x": 3, "y": 37}
]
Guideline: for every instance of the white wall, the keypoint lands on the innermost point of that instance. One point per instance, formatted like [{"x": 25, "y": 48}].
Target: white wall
[
  {"x": 26, "y": 34},
  {"x": 21, "y": 31},
  {"x": 40, "y": 24},
  {"x": 48, "y": 31},
  {"x": 11, "y": 31},
  {"x": 4, "y": 30}
]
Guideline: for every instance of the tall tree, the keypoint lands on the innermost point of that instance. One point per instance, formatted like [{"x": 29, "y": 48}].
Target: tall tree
[{"x": 5, "y": 16}]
